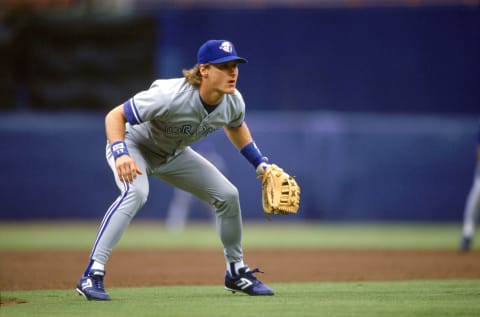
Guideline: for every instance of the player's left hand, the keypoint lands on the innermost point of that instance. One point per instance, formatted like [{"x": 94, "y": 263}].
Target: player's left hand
[
  {"x": 261, "y": 168},
  {"x": 280, "y": 192}
]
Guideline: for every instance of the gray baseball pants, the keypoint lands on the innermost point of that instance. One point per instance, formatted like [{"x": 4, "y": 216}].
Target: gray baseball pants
[{"x": 188, "y": 171}]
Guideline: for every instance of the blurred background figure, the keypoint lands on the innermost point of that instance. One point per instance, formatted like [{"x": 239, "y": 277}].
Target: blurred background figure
[
  {"x": 472, "y": 206},
  {"x": 183, "y": 203}
]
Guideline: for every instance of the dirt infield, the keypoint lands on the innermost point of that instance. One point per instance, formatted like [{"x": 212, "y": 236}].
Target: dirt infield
[{"x": 61, "y": 269}]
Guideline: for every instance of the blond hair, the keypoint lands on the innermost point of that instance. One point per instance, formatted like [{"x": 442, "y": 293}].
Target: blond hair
[{"x": 193, "y": 75}]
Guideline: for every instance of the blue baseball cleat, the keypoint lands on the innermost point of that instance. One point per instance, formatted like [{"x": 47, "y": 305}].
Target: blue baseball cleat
[
  {"x": 247, "y": 283},
  {"x": 91, "y": 286}
]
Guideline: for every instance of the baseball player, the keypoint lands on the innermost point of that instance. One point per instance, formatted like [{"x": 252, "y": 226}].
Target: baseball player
[
  {"x": 150, "y": 134},
  {"x": 472, "y": 206}
]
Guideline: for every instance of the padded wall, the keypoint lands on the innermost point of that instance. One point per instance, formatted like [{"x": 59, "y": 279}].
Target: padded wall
[{"x": 352, "y": 167}]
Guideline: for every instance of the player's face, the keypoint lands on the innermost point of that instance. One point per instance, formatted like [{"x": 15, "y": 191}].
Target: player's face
[{"x": 223, "y": 77}]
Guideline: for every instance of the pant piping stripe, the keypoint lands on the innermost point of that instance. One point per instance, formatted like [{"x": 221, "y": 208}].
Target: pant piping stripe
[{"x": 108, "y": 217}]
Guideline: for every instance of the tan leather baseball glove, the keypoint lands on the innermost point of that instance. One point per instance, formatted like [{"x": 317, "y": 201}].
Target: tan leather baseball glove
[{"x": 280, "y": 192}]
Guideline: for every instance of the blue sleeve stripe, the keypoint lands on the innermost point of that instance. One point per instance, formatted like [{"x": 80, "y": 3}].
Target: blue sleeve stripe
[
  {"x": 131, "y": 112},
  {"x": 135, "y": 111}
]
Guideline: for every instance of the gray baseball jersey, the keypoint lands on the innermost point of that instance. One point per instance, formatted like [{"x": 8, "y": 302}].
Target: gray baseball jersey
[{"x": 169, "y": 116}]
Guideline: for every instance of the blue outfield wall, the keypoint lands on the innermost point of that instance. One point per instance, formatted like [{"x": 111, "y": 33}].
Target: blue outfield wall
[{"x": 351, "y": 166}]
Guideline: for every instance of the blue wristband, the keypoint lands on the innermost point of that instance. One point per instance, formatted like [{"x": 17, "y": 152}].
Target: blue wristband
[
  {"x": 118, "y": 149},
  {"x": 252, "y": 154}
]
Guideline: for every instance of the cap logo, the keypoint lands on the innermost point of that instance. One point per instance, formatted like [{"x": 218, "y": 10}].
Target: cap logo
[{"x": 226, "y": 47}]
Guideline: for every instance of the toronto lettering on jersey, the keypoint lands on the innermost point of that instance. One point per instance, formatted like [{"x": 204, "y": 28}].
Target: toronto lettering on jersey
[{"x": 187, "y": 129}]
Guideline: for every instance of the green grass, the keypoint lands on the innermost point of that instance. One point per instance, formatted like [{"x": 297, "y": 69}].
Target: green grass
[
  {"x": 392, "y": 299},
  {"x": 267, "y": 235},
  {"x": 356, "y": 299}
]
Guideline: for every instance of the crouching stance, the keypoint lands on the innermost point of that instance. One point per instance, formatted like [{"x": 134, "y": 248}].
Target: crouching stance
[{"x": 150, "y": 134}]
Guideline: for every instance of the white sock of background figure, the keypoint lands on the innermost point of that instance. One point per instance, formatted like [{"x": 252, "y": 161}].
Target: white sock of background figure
[
  {"x": 178, "y": 210},
  {"x": 472, "y": 208}
]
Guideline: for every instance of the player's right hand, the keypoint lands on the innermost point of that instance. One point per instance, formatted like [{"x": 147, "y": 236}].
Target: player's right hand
[{"x": 127, "y": 169}]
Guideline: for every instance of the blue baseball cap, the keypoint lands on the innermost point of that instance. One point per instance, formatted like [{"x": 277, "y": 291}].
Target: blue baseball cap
[{"x": 218, "y": 51}]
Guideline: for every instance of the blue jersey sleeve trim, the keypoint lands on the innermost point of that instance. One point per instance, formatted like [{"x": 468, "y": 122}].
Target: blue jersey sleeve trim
[{"x": 131, "y": 112}]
